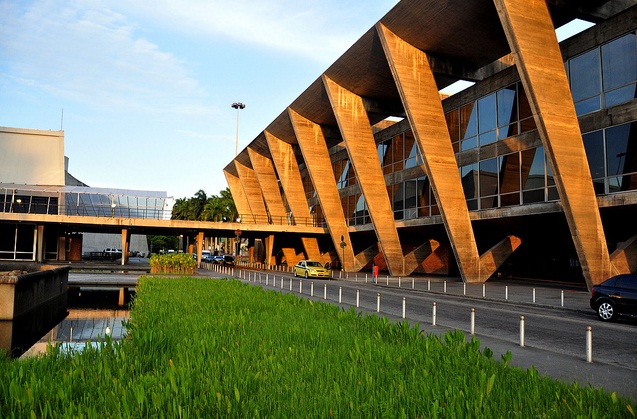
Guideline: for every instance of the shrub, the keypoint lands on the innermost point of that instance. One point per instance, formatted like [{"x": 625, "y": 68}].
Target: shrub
[{"x": 172, "y": 263}]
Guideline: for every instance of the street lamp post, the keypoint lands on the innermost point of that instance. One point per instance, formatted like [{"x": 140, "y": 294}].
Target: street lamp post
[{"x": 238, "y": 106}]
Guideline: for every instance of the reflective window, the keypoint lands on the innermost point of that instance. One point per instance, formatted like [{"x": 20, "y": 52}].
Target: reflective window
[
  {"x": 619, "y": 66},
  {"x": 586, "y": 81},
  {"x": 594, "y": 146},
  {"x": 621, "y": 157}
]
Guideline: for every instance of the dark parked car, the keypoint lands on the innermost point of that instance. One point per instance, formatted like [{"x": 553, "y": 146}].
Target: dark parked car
[{"x": 615, "y": 296}]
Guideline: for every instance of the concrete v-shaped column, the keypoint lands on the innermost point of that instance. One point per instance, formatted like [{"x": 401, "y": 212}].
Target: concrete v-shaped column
[
  {"x": 264, "y": 171},
  {"x": 290, "y": 177},
  {"x": 238, "y": 194},
  {"x": 356, "y": 130},
  {"x": 253, "y": 193},
  {"x": 317, "y": 160},
  {"x": 419, "y": 94},
  {"x": 531, "y": 36},
  {"x": 624, "y": 258}
]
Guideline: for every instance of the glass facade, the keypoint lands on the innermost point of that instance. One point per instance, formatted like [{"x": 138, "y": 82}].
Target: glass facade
[{"x": 604, "y": 76}]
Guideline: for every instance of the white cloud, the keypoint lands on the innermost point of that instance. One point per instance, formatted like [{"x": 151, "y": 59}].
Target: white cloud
[{"x": 85, "y": 52}]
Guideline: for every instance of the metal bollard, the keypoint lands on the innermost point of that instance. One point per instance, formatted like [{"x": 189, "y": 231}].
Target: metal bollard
[
  {"x": 433, "y": 315},
  {"x": 387, "y": 280},
  {"x": 282, "y": 279},
  {"x": 464, "y": 288},
  {"x": 562, "y": 298},
  {"x": 533, "y": 295},
  {"x": 266, "y": 279},
  {"x": 473, "y": 321},
  {"x": 484, "y": 290},
  {"x": 444, "y": 286},
  {"x": 340, "y": 295},
  {"x": 366, "y": 277},
  {"x": 413, "y": 283},
  {"x": 71, "y": 335},
  {"x": 403, "y": 307},
  {"x": 312, "y": 289},
  {"x": 358, "y": 298},
  {"x": 274, "y": 281},
  {"x": 290, "y": 284},
  {"x": 378, "y": 303},
  {"x": 429, "y": 285},
  {"x": 325, "y": 291},
  {"x": 522, "y": 331},
  {"x": 506, "y": 292},
  {"x": 300, "y": 286},
  {"x": 589, "y": 344},
  {"x": 398, "y": 282}
]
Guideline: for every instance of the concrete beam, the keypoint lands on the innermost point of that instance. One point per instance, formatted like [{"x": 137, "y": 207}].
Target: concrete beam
[
  {"x": 361, "y": 148},
  {"x": 269, "y": 250},
  {"x": 125, "y": 245},
  {"x": 624, "y": 258},
  {"x": 368, "y": 254},
  {"x": 419, "y": 93},
  {"x": 311, "y": 247},
  {"x": 253, "y": 193},
  {"x": 491, "y": 260},
  {"x": 319, "y": 166},
  {"x": 418, "y": 256},
  {"x": 264, "y": 170},
  {"x": 290, "y": 177},
  {"x": 238, "y": 194},
  {"x": 531, "y": 36}
]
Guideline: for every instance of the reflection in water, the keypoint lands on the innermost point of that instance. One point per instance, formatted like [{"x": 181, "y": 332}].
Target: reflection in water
[{"x": 82, "y": 326}]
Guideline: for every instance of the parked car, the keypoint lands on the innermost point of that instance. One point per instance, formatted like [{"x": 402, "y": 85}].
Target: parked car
[
  {"x": 223, "y": 259},
  {"x": 311, "y": 268},
  {"x": 615, "y": 297}
]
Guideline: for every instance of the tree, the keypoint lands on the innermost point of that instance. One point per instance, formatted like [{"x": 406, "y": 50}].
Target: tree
[{"x": 203, "y": 208}]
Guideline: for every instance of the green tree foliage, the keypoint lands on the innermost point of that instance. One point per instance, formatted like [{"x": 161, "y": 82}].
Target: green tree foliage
[
  {"x": 158, "y": 243},
  {"x": 206, "y": 208}
]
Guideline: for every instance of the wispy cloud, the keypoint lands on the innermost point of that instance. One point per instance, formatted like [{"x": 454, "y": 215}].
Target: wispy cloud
[{"x": 83, "y": 51}]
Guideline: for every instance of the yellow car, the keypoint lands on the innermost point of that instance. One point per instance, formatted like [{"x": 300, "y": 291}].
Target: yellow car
[{"x": 311, "y": 268}]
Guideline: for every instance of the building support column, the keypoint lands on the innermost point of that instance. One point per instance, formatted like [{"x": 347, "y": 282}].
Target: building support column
[
  {"x": 269, "y": 185},
  {"x": 238, "y": 196},
  {"x": 39, "y": 257},
  {"x": 311, "y": 248},
  {"x": 312, "y": 142},
  {"x": 269, "y": 250},
  {"x": 199, "y": 248},
  {"x": 253, "y": 193},
  {"x": 531, "y": 36},
  {"x": 624, "y": 258},
  {"x": 358, "y": 137},
  {"x": 125, "y": 245},
  {"x": 421, "y": 100}
]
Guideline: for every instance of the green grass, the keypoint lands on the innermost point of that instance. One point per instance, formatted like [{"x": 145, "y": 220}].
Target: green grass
[{"x": 209, "y": 348}]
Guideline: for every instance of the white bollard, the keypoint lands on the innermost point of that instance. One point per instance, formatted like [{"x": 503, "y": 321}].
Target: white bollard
[
  {"x": 533, "y": 295},
  {"x": 340, "y": 274},
  {"x": 267, "y": 277},
  {"x": 589, "y": 344},
  {"x": 444, "y": 286},
  {"x": 413, "y": 283},
  {"x": 290, "y": 284},
  {"x": 522, "y": 331},
  {"x": 312, "y": 289},
  {"x": 358, "y": 298},
  {"x": 71, "y": 335},
  {"x": 484, "y": 290},
  {"x": 325, "y": 291},
  {"x": 473, "y": 321},
  {"x": 403, "y": 307},
  {"x": 387, "y": 280},
  {"x": 366, "y": 277},
  {"x": 300, "y": 286},
  {"x": 340, "y": 295},
  {"x": 464, "y": 288},
  {"x": 429, "y": 285},
  {"x": 398, "y": 282},
  {"x": 506, "y": 292},
  {"x": 433, "y": 315},
  {"x": 274, "y": 281},
  {"x": 378, "y": 303},
  {"x": 562, "y": 298},
  {"x": 282, "y": 279}
]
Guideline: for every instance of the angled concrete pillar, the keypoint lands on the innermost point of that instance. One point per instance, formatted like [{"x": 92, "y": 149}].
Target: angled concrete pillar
[
  {"x": 269, "y": 250},
  {"x": 356, "y": 130},
  {"x": 531, "y": 36},
  {"x": 494, "y": 257},
  {"x": 624, "y": 258},
  {"x": 253, "y": 193},
  {"x": 288, "y": 170},
  {"x": 291, "y": 257},
  {"x": 418, "y": 256},
  {"x": 39, "y": 257},
  {"x": 311, "y": 247},
  {"x": 199, "y": 248},
  {"x": 268, "y": 182},
  {"x": 312, "y": 143},
  {"x": 368, "y": 254},
  {"x": 419, "y": 94},
  {"x": 238, "y": 194}
]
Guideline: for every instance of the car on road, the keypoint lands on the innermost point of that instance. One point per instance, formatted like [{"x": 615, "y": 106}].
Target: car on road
[
  {"x": 615, "y": 297},
  {"x": 311, "y": 268}
]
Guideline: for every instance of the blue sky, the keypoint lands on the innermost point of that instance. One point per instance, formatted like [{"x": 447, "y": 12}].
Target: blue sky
[{"x": 147, "y": 86}]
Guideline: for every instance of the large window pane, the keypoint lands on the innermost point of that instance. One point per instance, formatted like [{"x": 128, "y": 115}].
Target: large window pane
[
  {"x": 619, "y": 62},
  {"x": 585, "y": 75},
  {"x": 507, "y": 107},
  {"x": 411, "y": 199},
  {"x": 468, "y": 121},
  {"x": 510, "y": 173},
  {"x": 469, "y": 175},
  {"x": 533, "y": 169},
  {"x": 487, "y": 113},
  {"x": 489, "y": 177},
  {"x": 453, "y": 124},
  {"x": 594, "y": 146}
]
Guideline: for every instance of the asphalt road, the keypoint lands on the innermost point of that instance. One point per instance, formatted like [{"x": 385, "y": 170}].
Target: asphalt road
[{"x": 555, "y": 336}]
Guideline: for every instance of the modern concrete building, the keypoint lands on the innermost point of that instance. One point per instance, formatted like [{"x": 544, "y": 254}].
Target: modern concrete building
[
  {"x": 34, "y": 180},
  {"x": 531, "y": 172}
]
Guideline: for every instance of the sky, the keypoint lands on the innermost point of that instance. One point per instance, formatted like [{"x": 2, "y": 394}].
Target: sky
[{"x": 143, "y": 89}]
